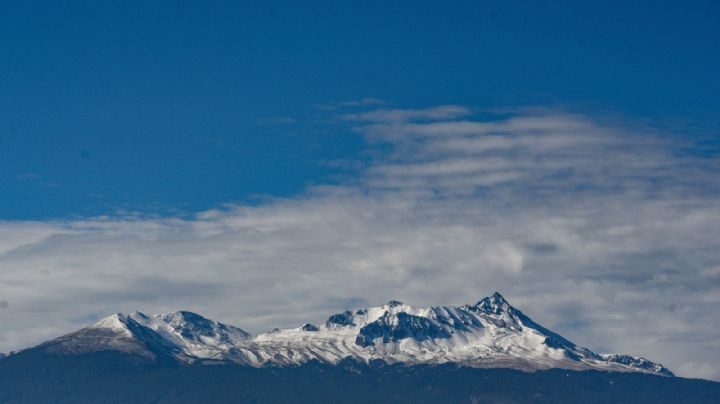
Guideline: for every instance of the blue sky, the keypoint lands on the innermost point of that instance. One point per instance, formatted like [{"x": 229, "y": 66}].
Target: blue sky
[
  {"x": 269, "y": 165},
  {"x": 178, "y": 107}
]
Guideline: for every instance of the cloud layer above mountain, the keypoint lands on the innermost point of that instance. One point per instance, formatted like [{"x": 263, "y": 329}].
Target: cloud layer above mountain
[{"x": 606, "y": 233}]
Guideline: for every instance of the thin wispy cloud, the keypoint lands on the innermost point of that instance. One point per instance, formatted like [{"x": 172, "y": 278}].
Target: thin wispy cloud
[
  {"x": 605, "y": 233},
  {"x": 367, "y": 101},
  {"x": 401, "y": 115}
]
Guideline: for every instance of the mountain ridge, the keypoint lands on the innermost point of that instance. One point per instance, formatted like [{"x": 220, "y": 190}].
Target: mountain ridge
[{"x": 488, "y": 334}]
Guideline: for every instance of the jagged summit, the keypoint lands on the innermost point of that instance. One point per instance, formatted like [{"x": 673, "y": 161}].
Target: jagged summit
[
  {"x": 496, "y": 297},
  {"x": 394, "y": 303},
  {"x": 490, "y": 333},
  {"x": 494, "y": 304}
]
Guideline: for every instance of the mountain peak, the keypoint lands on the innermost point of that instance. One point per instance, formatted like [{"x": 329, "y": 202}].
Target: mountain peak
[
  {"x": 116, "y": 322},
  {"x": 394, "y": 303},
  {"x": 137, "y": 314},
  {"x": 494, "y": 304},
  {"x": 184, "y": 316},
  {"x": 498, "y": 297}
]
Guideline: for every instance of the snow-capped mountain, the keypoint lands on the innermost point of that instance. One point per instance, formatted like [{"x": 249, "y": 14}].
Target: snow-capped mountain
[
  {"x": 489, "y": 334},
  {"x": 184, "y": 335}
]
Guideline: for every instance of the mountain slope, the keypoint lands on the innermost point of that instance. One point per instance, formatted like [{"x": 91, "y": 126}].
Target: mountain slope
[
  {"x": 34, "y": 376},
  {"x": 488, "y": 334}
]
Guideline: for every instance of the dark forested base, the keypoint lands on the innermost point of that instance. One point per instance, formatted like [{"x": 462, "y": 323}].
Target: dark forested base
[{"x": 38, "y": 377}]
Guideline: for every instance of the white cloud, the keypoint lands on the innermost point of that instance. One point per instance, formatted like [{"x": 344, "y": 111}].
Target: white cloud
[{"x": 604, "y": 234}]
